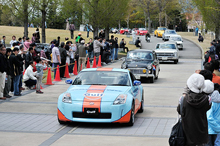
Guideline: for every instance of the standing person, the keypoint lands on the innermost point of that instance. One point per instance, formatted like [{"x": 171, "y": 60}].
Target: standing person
[
  {"x": 27, "y": 44},
  {"x": 37, "y": 36},
  {"x": 116, "y": 48},
  {"x": 34, "y": 54},
  {"x": 20, "y": 41},
  {"x": 90, "y": 51},
  {"x": 63, "y": 56},
  {"x": 3, "y": 41},
  {"x": 33, "y": 39},
  {"x": 112, "y": 57},
  {"x": 72, "y": 28},
  {"x": 67, "y": 24},
  {"x": 195, "y": 104},
  {"x": 122, "y": 45},
  {"x": 102, "y": 34},
  {"x": 72, "y": 50},
  {"x": 40, "y": 66},
  {"x": 42, "y": 53},
  {"x": 79, "y": 38},
  {"x": 82, "y": 54},
  {"x": 87, "y": 29},
  {"x": 3, "y": 70},
  {"x": 23, "y": 40},
  {"x": 29, "y": 57},
  {"x": 13, "y": 40},
  {"x": 29, "y": 78},
  {"x": 96, "y": 46},
  {"x": 21, "y": 57},
  {"x": 8, "y": 75},
  {"x": 56, "y": 57},
  {"x": 58, "y": 39},
  {"x": 15, "y": 64}
]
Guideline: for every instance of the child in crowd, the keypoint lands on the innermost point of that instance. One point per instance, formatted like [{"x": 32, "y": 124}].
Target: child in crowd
[{"x": 40, "y": 66}]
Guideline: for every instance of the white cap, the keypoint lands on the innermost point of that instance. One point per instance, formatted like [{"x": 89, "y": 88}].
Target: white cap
[
  {"x": 208, "y": 87},
  {"x": 196, "y": 83}
]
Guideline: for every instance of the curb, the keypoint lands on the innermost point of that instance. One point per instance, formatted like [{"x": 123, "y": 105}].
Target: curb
[{"x": 202, "y": 57}]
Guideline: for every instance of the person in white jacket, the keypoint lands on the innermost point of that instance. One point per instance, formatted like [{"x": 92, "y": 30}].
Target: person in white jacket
[{"x": 29, "y": 76}]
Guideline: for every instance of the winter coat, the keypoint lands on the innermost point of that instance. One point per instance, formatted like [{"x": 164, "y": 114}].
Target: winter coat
[
  {"x": 3, "y": 63},
  {"x": 96, "y": 46},
  {"x": 82, "y": 50},
  {"x": 194, "y": 119},
  {"x": 29, "y": 58},
  {"x": 15, "y": 64}
]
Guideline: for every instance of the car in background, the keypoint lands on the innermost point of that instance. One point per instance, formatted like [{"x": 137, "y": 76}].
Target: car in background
[
  {"x": 46, "y": 46},
  {"x": 167, "y": 33},
  {"x": 114, "y": 30},
  {"x": 124, "y": 31},
  {"x": 103, "y": 95},
  {"x": 143, "y": 64},
  {"x": 178, "y": 39},
  {"x": 159, "y": 31},
  {"x": 167, "y": 51},
  {"x": 141, "y": 31}
]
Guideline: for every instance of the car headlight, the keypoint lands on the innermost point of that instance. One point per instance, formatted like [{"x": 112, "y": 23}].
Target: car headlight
[
  {"x": 149, "y": 67},
  {"x": 67, "y": 98},
  {"x": 175, "y": 53},
  {"x": 144, "y": 71},
  {"x": 121, "y": 99}
]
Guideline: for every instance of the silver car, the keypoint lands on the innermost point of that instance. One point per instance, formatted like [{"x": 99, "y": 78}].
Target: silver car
[
  {"x": 167, "y": 33},
  {"x": 178, "y": 39}
]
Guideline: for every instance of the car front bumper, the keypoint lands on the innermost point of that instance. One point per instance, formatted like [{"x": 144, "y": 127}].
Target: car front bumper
[
  {"x": 167, "y": 58},
  {"x": 109, "y": 113},
  {"x": 180, "y": 46},
  {"x": 138, "y": 73}
]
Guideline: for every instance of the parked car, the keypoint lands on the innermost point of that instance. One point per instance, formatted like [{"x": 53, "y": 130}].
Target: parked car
[
  {"x": 143, "y": 64},
  {"x": 141, "y": 31},
  {"x": 159, "y": 31},
  {"x": 166, "y": 35},
  {"x": 46, "y": 47},
  {"x": 167, "y": 51},
  {"x": 178, "y": 39},
  {"x": 114, "y": 30},
  {"x": 103, "y": 95},
  {"x": 124, "y": 31}
]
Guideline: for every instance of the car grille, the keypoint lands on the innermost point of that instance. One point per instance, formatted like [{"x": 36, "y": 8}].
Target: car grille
[
  {"x": 137, "y": 71},
  {"x": 165, "y": 54},
  {"x": 98, "y": 116}
]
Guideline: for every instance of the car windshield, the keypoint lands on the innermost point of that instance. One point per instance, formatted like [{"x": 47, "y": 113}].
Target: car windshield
[
  {"x": 166, "y": 46},
  {"x": 140, "y": 55},
  {"x": 110, "y": 78},
  {"x": 142, "y": 28},
  {"x": 161, "y": 28},
  {"x": 171, "y": 32},
  {"x": 175, "y": 39}
]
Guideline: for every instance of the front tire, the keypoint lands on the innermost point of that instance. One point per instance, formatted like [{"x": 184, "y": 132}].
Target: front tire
[
  {"x": 176, "y": 61},
  {"x": 131, "y": 122}
]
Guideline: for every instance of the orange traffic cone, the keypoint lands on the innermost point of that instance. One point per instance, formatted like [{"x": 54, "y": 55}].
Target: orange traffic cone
[
  {"x": 75, "y": 69},
  {"x": 88, "y": 63},
  {"x": 49, "y": 79},
  {"x": 57, "y": 77},
  {"x": 24, "y": 71},
  {"x": 94, "y": 62},
  {"x": 99, "y": 63},
  {"x": 66, "y": 71}
]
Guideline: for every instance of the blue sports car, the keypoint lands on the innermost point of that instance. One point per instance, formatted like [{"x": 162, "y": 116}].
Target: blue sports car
[{"x": 103, "y": 95}]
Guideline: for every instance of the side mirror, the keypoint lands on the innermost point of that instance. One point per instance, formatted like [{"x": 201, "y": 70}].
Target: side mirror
[
  {"x": 69, "y": 81},
  {"x": 136, "y": 83}
]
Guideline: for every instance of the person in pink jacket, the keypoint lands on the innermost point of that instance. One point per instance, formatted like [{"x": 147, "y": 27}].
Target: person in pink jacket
[{"x": 27, "y": 44}]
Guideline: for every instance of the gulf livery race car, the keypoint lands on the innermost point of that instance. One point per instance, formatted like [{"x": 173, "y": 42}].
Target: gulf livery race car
[{"x": 102, "y": 95}]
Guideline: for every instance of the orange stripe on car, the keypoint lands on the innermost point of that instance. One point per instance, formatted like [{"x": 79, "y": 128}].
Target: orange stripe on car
[
  {"x": 104, "y": 69},
  {"x": 93, "y": 101},
  {"x": 61, "y": 117},
  {"x": 125, "y": 118}
]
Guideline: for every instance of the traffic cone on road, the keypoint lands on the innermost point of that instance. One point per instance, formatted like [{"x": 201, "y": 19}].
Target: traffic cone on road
[
  {"x": 66, "y": 74},
  {"x": 57, "y": 77},
  {"x": 94, "y": 62},
  {"x": 75, "y": 69},
  {"x": 49, "y": 79},
  {"x": 88, "y": 63},
  {"x": 99, "y": 63}
]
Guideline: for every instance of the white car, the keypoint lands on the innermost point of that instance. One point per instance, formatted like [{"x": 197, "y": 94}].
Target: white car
[
  {"x": 167, "y": 33},
  {"x": 167, "y": 51},
  {"x": 178, "y": 39}
]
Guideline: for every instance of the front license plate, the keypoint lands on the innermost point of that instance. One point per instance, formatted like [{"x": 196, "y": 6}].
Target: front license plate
[
  {"x": 164, "y": 58},
  {"x": 137, "y": 77},
  {"x": 91, "y": 111}
]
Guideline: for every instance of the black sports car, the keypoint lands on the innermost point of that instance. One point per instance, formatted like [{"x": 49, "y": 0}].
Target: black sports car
[{"x": 143, "y": 64}]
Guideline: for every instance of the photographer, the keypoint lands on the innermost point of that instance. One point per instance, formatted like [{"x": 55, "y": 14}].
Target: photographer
[{"x": 82, "y": 54}]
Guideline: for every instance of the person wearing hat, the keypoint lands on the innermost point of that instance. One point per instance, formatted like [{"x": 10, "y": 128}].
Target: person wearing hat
[
  {"x": 82, "y": 54},
  {"x": 72, "y": 28},
  {"x": 78, "y": 39},
  {"x": 15, "y": 64},
  {"x": 195, "y": 104}
]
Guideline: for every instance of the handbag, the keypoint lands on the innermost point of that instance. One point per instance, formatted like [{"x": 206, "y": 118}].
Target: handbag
[{"x": 177, "y": 136}]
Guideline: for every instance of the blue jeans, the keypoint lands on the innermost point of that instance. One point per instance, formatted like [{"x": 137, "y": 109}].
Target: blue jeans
[
  {"x": 55, "y": 70},
  {"x": 20, "y": 82},
  {"x": 90, "y": 54},
  {"x": 116, "y": 53},
  {"x": 112, "y": 57},
  {"x": 71, "y": 66},
  {"x": 97, "y": 57},
  {"x": 16, "y": 80}
]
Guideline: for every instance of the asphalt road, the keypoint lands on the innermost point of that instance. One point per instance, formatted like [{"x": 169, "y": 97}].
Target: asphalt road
[{"x": 31, "y": 119}]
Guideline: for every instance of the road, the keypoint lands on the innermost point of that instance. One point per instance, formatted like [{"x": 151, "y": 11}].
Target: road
[{"x": 31, "y": 119}]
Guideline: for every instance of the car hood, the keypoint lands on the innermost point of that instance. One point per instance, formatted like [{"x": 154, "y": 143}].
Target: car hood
[
  {"x": 107, "y": 93},
  {"x": 138, "y": 64},
  {"x": 169, "y": 34},
  {"x": 165, "y": 50},
  {"x": 160, "y": 31},
  {"x": 179, "y": 42}
]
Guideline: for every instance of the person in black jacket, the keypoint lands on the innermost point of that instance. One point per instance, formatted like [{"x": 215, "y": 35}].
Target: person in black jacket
[
  {"x": 21, "y": 57},
  {"x": 29, "y": 57},
  {"x": 90, "y": 51},
  {"x": 63, "y": 56},
  {"x": 116, "y": 48},
  {"x": 122, "y": 45},
  {"x": 8, "y": 74},
  {"x": 15, "y": 64},
  {"x": 113, "y": 45},
  {"x": 3, "y": 70}
]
